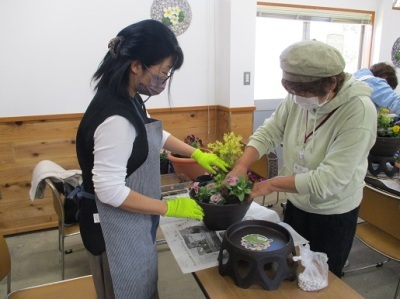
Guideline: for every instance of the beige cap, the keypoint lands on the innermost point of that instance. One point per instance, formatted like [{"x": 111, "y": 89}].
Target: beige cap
[{"x": 311, "y": 60}]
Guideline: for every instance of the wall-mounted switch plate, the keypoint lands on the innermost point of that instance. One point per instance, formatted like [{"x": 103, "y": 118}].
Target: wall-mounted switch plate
[{"x": 246, "y": 78}]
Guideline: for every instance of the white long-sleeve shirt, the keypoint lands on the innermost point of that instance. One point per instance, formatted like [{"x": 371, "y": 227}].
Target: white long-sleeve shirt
[{"x": 113, "y": 143}]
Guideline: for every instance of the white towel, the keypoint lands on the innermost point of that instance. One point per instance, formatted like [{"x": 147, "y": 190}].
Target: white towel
[{"x": 48, "y": 169}]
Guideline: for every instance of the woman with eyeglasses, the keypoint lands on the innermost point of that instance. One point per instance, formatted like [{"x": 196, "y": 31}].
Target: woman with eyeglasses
[{"x": 118, "y": 147}]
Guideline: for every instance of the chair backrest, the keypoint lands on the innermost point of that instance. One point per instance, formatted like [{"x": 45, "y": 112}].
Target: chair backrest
[
  {"x": 58, "y": 202},
  {"x": 5, "y": 262},
  {"x": 381, "y": 209}
]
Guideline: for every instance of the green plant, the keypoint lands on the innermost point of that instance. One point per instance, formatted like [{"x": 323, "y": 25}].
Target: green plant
[
  {"x": 208, "y": 193},
  {"x": 238, "y": 187},
  {"x": 229, "y": 150},
  {"x": 194, "y": 141},
  {"x": 163, "y": 155},
  {"x": 233, "y": 190},
  {"x": 388, "y": 124}
]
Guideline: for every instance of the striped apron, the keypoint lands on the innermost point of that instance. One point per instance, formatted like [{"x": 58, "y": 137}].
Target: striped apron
[{"x": 130, "y": 237}]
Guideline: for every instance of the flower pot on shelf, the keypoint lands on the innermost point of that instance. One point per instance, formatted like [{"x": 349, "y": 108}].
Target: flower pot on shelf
[
  {"x": 187, "y": 166},
  {"x": 381, "y": 156},
  {"x": 164, "y": 166},
  {"x": 385, "y": 147}
]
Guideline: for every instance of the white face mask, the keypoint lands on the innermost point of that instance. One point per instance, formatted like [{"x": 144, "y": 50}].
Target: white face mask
[{"x": 309, "y": 103}]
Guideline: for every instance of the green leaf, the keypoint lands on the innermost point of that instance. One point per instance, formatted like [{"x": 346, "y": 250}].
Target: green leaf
[{"x": 166, "y": 21}]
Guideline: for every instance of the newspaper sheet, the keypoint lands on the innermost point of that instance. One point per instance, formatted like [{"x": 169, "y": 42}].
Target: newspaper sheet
[{"x": 195, "y": 247}]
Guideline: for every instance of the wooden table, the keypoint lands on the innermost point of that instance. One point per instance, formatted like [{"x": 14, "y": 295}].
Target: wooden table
[{"x": 215, "y": 286}]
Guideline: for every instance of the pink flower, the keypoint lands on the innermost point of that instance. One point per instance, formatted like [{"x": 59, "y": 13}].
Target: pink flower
[
  {"x": 232, "y": 181},
  {"x": 196, "y": 187},
  {"x": 216, "y": 198},
  {"x": 210, "y": 185}
]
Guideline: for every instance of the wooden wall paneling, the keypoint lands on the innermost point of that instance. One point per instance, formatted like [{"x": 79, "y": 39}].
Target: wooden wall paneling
[
  {"x": 22, "y": 131},
  {"x": 45, "y": 150},
  {"x": 242, "y": 123},
  {"x": 24, "y": 142},
  {"x": 223, "y": 123},
  {"x": 197, "y": 121},
  {"x": 6, "y": 153},
  {"x": 27, "y": 216},
  {"x": 238, "y": 120}
]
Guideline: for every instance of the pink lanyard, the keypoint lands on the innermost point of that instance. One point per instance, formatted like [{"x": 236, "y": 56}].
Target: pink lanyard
[{"x": 319, "y": 125}]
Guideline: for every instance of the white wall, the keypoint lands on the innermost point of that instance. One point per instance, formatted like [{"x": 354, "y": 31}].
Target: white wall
[{"x": 50, "y": 49}]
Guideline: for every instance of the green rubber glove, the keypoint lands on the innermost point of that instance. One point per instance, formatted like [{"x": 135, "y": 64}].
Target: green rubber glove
[
  {"x": 184, "y": 207},
  {"x": 207, "y": 160}
]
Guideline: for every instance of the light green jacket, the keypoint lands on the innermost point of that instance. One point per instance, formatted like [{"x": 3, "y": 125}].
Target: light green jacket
[{"x": 335, "y": 156}]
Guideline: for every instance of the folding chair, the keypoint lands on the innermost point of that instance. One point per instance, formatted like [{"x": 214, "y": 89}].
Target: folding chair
[
  {"x": 64, "y": 231},
  {"x": 380, "y": 231},
  {"x": 80, "y": 287}
]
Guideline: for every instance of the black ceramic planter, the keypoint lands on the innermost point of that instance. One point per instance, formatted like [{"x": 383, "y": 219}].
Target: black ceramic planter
[
  {"x": 266, "y": 263},
  {"x": 204, "y": 179},
  {"x": 385, "y": 147},
  {"x": 220, "y": 217},
  {"x": 381, "y": 156}
]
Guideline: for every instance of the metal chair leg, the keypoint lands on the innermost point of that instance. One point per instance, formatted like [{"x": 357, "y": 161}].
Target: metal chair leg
[
  {"x": 62, "y": 259},
  {"x": 397, "y": 290},
  {"x": 271, "y": 205},
  {"x": 161, "y": 241},
  {"x": 377, "y": 265},
  {"x": 277, "y": 200}
]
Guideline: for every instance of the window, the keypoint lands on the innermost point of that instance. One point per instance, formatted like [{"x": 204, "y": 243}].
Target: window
[{"x": 279, "y": 26}]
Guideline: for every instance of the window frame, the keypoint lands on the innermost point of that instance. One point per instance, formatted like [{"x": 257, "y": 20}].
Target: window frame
[{"x": 335, "y": 15}]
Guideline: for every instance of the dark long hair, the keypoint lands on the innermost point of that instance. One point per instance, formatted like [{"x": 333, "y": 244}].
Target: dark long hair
[
  {"x": 148, "y": 41},
  {"x": 385, "y": 71}
]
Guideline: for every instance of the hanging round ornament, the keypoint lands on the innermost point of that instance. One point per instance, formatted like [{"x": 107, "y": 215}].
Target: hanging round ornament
[
  {"x": 176, "y": 14},
  {"x": 396, "y": 53}
]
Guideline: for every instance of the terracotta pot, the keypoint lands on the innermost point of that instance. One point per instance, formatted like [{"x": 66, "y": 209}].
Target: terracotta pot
[
  {"x": 220, "y": 217},
  {"x": 187, "y": 166}
]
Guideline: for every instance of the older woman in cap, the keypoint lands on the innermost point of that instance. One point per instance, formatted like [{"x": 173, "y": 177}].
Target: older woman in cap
[{"x": 327, "y": 126}]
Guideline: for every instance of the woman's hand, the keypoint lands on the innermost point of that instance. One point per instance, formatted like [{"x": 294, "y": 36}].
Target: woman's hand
[
  {"x": 208, "y": 160},
  {"x": 237, "y": 171},
  {"x": 261, "y": 189},
  {"x": 184, "y": 207}
]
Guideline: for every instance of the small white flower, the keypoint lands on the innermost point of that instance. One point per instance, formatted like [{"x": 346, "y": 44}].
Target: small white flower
[
  {"x": 174, "y": 20},
  {"x": 168, "y": 12},
  {"x": 176, "y": 10}
]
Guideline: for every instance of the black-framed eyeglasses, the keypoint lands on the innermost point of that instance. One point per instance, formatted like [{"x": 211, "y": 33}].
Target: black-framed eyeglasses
[{"x": 164, "y": 76}]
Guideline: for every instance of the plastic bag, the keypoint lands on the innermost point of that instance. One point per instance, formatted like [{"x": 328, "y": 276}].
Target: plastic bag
[{"x": 315, "y": 274}]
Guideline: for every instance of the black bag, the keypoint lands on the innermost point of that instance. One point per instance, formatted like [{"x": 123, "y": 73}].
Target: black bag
[{"x": 71, "y": 203}]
